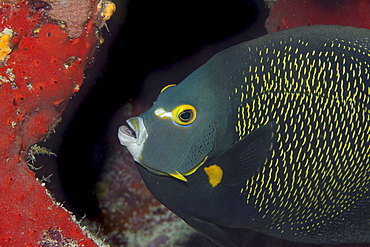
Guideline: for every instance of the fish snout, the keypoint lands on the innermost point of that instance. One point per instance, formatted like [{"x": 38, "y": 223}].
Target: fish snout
[{"x": 133, "y": 136}]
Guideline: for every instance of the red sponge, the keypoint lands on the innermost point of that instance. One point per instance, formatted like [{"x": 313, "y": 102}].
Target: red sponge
[
  {"x": 294, "y": 13},
  {"x": 41, "y": 67}
]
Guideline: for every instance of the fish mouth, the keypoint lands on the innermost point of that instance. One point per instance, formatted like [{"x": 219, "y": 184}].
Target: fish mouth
[
  {"x": 133, "y": 136},
  {"x": 126, "y": 132}
]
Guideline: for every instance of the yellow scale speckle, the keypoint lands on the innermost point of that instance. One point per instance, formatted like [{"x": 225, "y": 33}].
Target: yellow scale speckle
[{"x": 312, "y": 113}]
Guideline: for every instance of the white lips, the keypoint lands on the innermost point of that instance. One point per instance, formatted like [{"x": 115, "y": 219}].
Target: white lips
[{"x": 134, "y": 145}]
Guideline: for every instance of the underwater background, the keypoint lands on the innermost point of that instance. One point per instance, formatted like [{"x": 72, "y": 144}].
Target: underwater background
[{"x": 148, "y": 45}]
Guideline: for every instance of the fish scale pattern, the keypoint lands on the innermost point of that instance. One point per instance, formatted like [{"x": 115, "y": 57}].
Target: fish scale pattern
[{"x": 318, "y": 94}]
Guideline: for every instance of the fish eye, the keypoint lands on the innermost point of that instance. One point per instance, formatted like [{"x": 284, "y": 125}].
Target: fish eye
[
  {"x": 184, "y": 115},
  {"x": 165, "y": 87}
]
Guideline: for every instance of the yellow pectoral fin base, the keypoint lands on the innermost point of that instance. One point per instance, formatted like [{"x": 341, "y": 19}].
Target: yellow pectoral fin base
[
  {"x": 214, "y": 173},
  {"x": 178, "y": 176}
]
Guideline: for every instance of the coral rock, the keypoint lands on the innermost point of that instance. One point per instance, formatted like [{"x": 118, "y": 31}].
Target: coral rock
[
  {"x": 294, "y": 13},
  {"x": 41, "y": 67}
]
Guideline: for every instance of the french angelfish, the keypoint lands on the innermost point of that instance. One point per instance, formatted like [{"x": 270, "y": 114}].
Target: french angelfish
[{"x": 271, "y": 135}]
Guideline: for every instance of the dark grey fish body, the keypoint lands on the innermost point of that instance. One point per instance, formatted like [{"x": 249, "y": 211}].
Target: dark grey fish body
[{"x": 280, "y": 142}]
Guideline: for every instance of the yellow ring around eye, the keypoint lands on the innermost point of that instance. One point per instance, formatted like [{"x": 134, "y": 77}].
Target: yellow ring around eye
[
  {"x": 171, "y": 85},
  {"x": 184, "y": 115}
]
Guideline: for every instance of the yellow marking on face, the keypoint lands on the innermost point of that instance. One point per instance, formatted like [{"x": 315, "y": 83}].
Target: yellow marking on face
[
  {"x": 159, "y": 112},
  {"x": 165, "y": 87},
  {"x": 214, "y": 173},
  {"x": 178, "y": 176},
  {"x": 196, "y": 167},
  {"x": 184, "y": 115}
]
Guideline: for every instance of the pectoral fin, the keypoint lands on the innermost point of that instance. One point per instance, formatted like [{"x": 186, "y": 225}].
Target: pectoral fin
[{"x": 247, "y": 156}]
